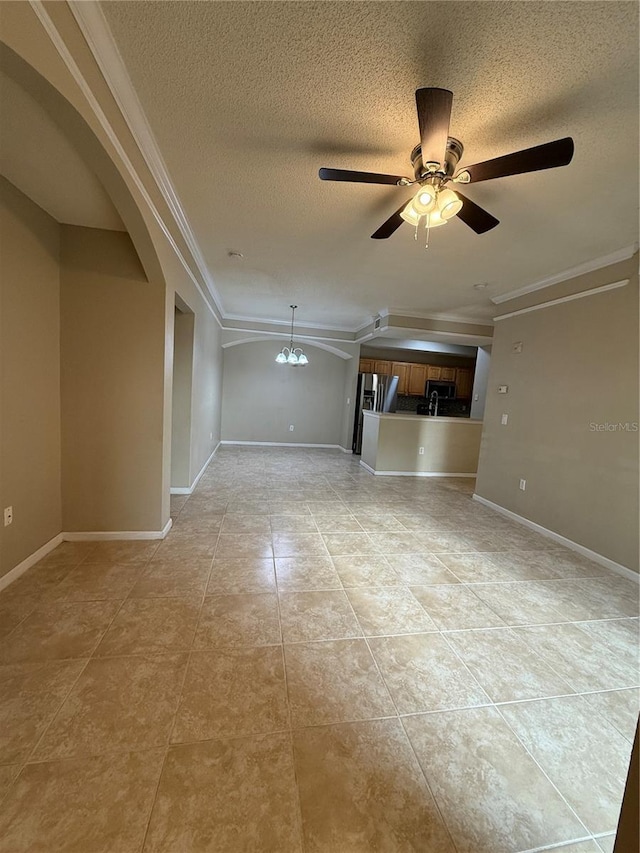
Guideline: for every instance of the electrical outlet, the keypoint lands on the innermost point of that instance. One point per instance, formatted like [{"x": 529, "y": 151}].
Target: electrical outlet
[
  {"x": 504, "y": 420},
  {"x": 8, "y": 515},
  {"x": 421, "y": 451},
  {"x": 290, "y": 427},
  {"x": 523, "y": 485},
  {"x": 348, "y": 401}
]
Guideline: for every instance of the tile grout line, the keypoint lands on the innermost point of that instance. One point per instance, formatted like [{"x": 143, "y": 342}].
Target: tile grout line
[
  {"x": 408, "y": 739},
  {"x": 351, "y": 508},
  {"x": 168, "y": 744},
  {"x": 299, "y": 819},
  {"x": 88, "y": 659},
  {"x": 69, "y": 692},
  {"x": 559, "y": 847},
  {"x": 39, "y": 603},
  {"x": 543, "y": 771}
]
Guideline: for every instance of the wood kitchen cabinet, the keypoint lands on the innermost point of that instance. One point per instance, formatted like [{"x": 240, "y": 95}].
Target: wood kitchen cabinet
[
  {"x": 412, "y": 377},
  {"x": 464, "y": 383},
  {"x": 417, "y": 379},
  {"x": 401, "y": 370}
]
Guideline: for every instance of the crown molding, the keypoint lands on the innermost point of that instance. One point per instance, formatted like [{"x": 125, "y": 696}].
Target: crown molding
[
  {"x": 447, "y": 318},
  {"x": 437, "y": 334},
  {"x": 582, "y": 294},
  {"x": 73, "y": 68},
  {"x": 285, "y": 335},
  {"x": 318, "y": 343},
  {"x": 97, "y": 34},
  {"x": 287, "y": 323},
  {"x": 573, "y": 272}
]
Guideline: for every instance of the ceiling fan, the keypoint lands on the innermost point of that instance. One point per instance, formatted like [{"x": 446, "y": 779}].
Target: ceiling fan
[{"x": 435, "y": 161}]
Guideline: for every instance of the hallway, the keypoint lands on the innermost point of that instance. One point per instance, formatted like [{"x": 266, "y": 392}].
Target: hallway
[{"x": 316, "y": 659}]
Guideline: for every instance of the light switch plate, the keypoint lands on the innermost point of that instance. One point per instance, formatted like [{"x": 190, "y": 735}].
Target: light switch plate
[
  {"x": 517, "y": 347},
  {"x": 504, "y": 420},
  {"x": 503, "y": 389}
]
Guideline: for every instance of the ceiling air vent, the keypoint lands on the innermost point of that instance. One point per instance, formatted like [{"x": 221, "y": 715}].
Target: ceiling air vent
[{"x": 376, "y": 322}]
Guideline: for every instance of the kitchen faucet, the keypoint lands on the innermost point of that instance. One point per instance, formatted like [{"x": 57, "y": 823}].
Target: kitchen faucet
[{"x": 433, "y": 403}]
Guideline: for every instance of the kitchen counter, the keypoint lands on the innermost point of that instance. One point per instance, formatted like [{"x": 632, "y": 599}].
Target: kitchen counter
[
  {"x": 391, "y": 444},
  {"x": 413, "y": 415}
]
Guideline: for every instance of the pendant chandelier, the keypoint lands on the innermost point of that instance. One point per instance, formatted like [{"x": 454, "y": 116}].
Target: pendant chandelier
[{"x": 292, "y": 355}]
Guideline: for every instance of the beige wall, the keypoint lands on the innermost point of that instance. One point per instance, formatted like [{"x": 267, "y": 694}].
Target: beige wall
[
  {"x": 260, "y": 398},
  {"x": 30, "y": 376},
  {"x": 392, "y": 442},
  {"x": 207, "y": 388},
  {"x": 112, "y": 324},
  {"x": 370, "y": 442},
  {"x": 157, "y": 244},
  {"x": 181, "y": 399},
  {"x": 578, "y": 367}
]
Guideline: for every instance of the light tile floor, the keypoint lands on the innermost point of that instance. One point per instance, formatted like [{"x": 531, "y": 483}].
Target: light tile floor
[{"x": 317, "y": 660}]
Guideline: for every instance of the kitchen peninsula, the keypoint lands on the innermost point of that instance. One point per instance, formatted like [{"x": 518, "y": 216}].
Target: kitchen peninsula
[{"x": 391, "y": 445}]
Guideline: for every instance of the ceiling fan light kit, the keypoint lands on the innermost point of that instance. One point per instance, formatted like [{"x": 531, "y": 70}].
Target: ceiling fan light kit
[
  {"x": 435, "y": 161},
  {"x": 292, "y": 355}
]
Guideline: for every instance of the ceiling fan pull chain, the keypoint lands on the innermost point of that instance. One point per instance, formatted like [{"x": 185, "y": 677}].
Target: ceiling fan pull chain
[
  {"x": 426, "y": 232},
  {"x": 415, "y": 236}
]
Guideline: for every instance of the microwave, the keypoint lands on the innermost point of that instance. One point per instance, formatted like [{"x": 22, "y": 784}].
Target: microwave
[{"x": 445, "y": 390}]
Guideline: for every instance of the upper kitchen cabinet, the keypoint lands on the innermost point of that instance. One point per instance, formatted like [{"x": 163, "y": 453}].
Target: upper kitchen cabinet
[
  {"x": 401, "y": 370},
  {"x": 464, "y": 383},
  {"x": 417, "y": 378},
  {"x": 412, "y": 377}
]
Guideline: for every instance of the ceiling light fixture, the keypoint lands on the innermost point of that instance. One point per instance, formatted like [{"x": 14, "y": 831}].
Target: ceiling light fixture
[
  {"x": 433, "y": 205},
  {"x": 292, "y": 355}
]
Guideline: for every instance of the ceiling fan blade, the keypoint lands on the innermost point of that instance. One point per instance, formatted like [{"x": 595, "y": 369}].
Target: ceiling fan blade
[
  {"x": 434, "y": 114},
  {"x": 392, "y": 224},
  {"x": 547, "y": 156},
  {"x": 358, "y": 177},
  {"x": 476, "y": 217}
]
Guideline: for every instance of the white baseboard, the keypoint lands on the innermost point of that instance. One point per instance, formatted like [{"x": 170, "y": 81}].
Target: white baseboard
[
  {"x": 285, "y": 444},
  {"x": 345, "y": 449},
  {"x": 80, "y": 536},
  {"x": 29, "y": 561},
  {"x": 188, "y": 490},
  {"x": 115, "y": 535},
  {"x": 561, "y": 540},
  {"x": 411, "y": 473}
]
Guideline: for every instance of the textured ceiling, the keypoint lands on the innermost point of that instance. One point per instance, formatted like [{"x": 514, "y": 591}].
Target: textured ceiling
[
  {"x": 38, "y": 159},
  {"x": 248, "y": 99}
]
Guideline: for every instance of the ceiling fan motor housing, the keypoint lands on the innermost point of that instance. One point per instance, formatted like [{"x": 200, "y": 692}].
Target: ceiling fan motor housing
[{"x": 452, "y": 156}]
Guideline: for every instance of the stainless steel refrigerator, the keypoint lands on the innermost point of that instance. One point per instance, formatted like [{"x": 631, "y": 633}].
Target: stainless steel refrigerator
[{"x": 376, "y": 392}]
